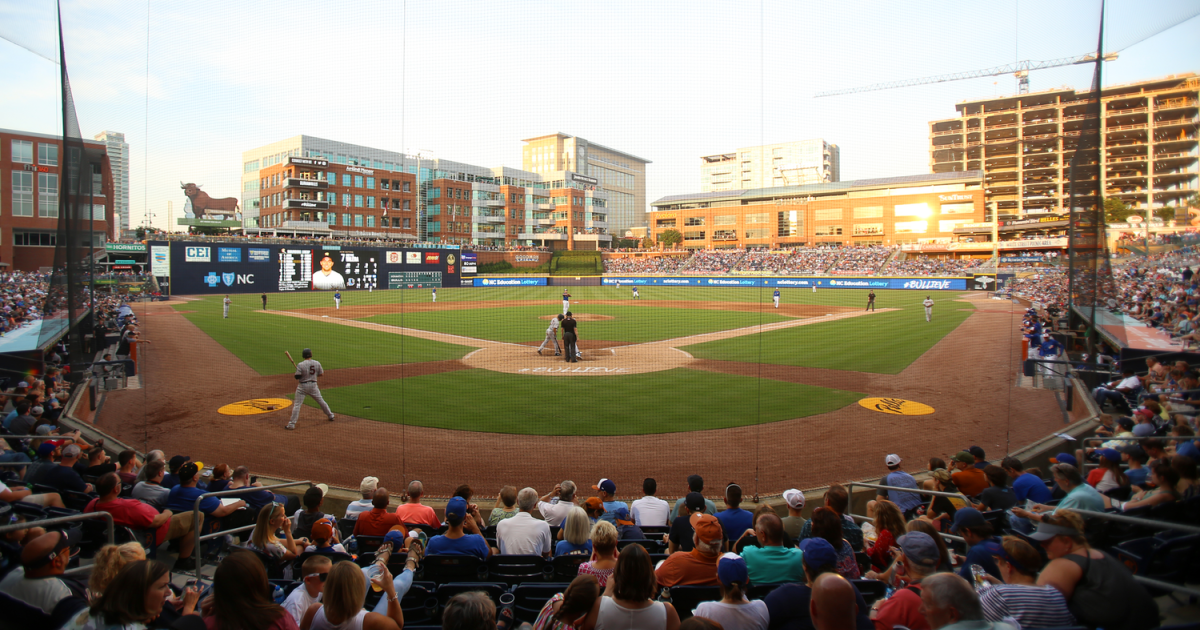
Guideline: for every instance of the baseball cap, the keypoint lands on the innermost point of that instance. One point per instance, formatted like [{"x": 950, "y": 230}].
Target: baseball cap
[
  {"x": 817, "y": 552},
  {"x": 967, "y": 517},
  {"x": 919, "y": 548},
  {"x": 323, "y": 488},
  {"x": 36, "y": 410},
  {"x": 794, "y": 498},
  {"x": 995, "y": 549},
  {"x": 964, "y": 457},
  {"x": 322, "y": 530},
  {"x": 976, "y": 451},
  {"x": 45, "y": 429},
  {"x": 606, "y": 485},
  {"x": 1144, "y": 430},
  {"x": 46, "y": 449},
  {"x": 594, "y": 503},
  {"x": 23, "y": 384},
  {"x": 731, "y": 569},
  {"x": 891, "y": 460},
  {"x": 707, "y": 526},
  {"x": 1045, "y": 531},
  {"x": 175, "y": 462},
  {"x": 369, "y": 484},
  {"x": 1133, "y": 450},
  {"x": 456, "y": 510},
  {"x": 67, "y": 539},
  {"x": 72, "y": 450},
  {"x": 1144, "y": 413},
  {"x": 395, "y": 536},
  {"x": 1064, "y": 458},
  {"x": 694, "y": 501},
  {"x": 1111, "y": 454},
  {"x": 187, "y": 472},
  {"x": 623, "y": 517}
]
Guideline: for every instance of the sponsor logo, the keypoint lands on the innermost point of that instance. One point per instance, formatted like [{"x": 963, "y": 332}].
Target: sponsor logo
[
  {"x": 125, "y": 247},
  {"x": 983, "y": 283},
  {"x": 255, "y": 406},
  {"x": 212, "y": 279},
  {"x": 896, "y": 406},
  {"x": 510, "y": 282},
  {"x": 394, "y": 258},
  {"x": 359, "y": 169},
  {"x": 307, "y": 161},
  {"x": 450, "y": 258},
  {"x": 229, "y": 254},
  {"x": 258, "y": 255},
  {"x": 412, "y": 258},
  {"x": 676, "y": 281},
  {"x": 793, "y": 283},
  {"x": 927, "y": 284},
  {"x": 197, "y": 254},
  {"x": 858, "y": 283},
  {"x": 956, "y": 197},
  {"x": 432, "y": 259}
]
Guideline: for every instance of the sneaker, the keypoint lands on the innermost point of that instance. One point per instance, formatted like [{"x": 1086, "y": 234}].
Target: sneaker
[
  {"x": 539, "y": 352},
  {"x": 331, "y": 418},
  {"x": 291, "y": 427}
]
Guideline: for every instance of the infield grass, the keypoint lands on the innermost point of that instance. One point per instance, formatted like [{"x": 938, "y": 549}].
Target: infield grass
[{"x": 660, "y": 402}]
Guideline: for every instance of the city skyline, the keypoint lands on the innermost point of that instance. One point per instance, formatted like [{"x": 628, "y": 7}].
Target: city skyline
[{"x": 222, "y": 81}]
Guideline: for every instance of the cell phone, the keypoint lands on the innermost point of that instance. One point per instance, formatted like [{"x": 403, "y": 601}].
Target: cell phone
[{"x": 254, "y": 479}]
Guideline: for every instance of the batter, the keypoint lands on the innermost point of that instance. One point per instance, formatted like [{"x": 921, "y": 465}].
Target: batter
[
  {"x": 307, "y": 372},
  {"x": 552, "y": 335},
  {"x": 227, "y": 302},
  {"x": 928, "y": 303}
]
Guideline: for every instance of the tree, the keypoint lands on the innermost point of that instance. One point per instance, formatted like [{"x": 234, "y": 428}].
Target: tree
[
  {"x": 670, "y": 238},
  {"x": 1166, "y": 213},
  {"x": 141, "y": 233},
  {"x": 647, "y": 243},
  {"x": 1117, "y": 211},
  {"x": 1192, "y": 205}
]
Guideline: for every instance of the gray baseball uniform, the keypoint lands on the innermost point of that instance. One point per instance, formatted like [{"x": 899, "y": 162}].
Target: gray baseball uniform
[
  {"x": 227, "y": 302},
  {"x": 308, "y": 370},
  {"x": 928, "y": 303},
  {"x": 551, "y": 336}
]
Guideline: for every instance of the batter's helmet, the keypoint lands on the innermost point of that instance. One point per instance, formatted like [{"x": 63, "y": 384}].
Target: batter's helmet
[{"x": 307, "y": 354}]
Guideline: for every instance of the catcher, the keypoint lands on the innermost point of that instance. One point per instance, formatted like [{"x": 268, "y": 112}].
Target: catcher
[{"x": 307, "y": 372}]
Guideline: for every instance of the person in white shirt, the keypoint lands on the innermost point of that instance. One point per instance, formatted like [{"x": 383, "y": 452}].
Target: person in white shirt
[
  {"x": 314, "y": 571},
  {"x": 522, "y": 534},
  {"x": 367, "y": 487},
  {"x": 557, "y": 503},
  {"x": 734, "y": 610},
  {"x": 928, "y": 304},
  {"x": 650, "y": 511},
  {"x": 1116, "y": 390}
]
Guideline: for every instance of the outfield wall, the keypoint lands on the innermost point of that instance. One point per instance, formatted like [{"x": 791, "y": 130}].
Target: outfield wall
[{"x": 979, "y": 282}]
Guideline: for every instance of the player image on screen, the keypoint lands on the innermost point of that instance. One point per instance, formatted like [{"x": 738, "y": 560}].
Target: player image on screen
[{"x": 326, "y": 278}]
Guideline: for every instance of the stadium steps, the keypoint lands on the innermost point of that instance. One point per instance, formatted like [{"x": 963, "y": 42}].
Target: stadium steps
[
  {"x": 833, "y": 264},
  {"x": 887, "y": 261}
]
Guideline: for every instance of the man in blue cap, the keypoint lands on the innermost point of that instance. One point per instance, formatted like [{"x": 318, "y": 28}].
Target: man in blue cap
[
  {"x": 975, "y": 530},
  {"x": 788, "y": 605},
  {"x": 456, "y": 541},
  {"x": 608, "y": 493},
  {"x": 734, "y": 610}
]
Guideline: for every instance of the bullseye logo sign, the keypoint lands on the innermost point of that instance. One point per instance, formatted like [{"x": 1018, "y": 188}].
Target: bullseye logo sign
[{"x": 896, "y": 406}]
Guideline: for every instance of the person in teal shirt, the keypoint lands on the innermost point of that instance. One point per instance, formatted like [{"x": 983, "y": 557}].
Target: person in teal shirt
[
  {"x": 1080, "y": 496},
  {"x": 772, "y": 563}
]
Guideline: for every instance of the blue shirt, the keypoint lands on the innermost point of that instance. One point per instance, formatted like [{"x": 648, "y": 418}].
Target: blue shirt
[
  {"x": 1188, "y": 449},
  {"x": 183, "y": 499},
  {"x": 978, "y": 555},
  {"x": 610, "y": 511},
  {"x": 170, "y": 480},
  {"x": 1029, "y": 486},
  {"x": 735, "y": 521},
  {"x": 12, "y": 415},
  {"x": 776, "y": 292},
  {"x": 1137, "y": 476},
  {"x": 468, "y": 545},
  {"x": 1082, "y": 497},
  {"x": 903, "y": 500},
  {"x": 563, "y": 548}
]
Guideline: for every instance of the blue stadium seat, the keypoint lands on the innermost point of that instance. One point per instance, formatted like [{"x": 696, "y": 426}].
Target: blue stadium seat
[
  {"x": 517, "y": 569},
  {"x": 686, "y": 598},
  {"x": 567, "y": 567},
  {"x": 450, "y": 589},
  {"x": 530, "y": 598},
  {"x": 871, "y": 590},
  {"x": 452, "y": 568}
]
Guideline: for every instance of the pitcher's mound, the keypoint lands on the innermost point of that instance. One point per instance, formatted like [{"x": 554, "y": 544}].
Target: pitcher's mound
[{"x": 583, "y": 317}]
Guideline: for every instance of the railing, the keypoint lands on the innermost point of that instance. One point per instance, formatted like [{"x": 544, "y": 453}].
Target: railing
[
  {"x": 1164, "y": 156},
  {"x": 932, "y": 493},
  {"x": 1145, "y": 522},
  {"x": 196, "y": 553},
  {"x": 1130, "y": 110},
  {"x": 1101, "y": 440},
  {"x": 947, "y": 132},
  {"x": 1126, "y": 127},
  {"x": 60, "y": 520}
]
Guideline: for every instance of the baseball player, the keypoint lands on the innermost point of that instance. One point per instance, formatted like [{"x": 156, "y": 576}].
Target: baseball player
[
  {"x": 227, "y": 302},
  {"x": 928, "y": 303},
  {"x": 337, "y": 299},
  {"x": 566, "y": 301},
  {"x": 775, "y": 298},
  {"x": 871, "y": 301},
  {"x": 435, "y": 295},
  {"x": 264, "y": 299},
  {"x": 307, "y": 372},
  {"x": 552, "y": 336},
  {"x": 635, "y": 294}
]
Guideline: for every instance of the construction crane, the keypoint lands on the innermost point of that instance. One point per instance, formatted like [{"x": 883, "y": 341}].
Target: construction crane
[{"x": 1019, "y": 69}]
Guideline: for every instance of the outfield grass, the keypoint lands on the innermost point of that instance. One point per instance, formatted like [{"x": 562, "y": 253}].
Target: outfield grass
[
  {"x": 259, "y": 340},
  {"x": 661, "y": 402},
  {"x": 882, "y": 343},
  {"x": 634, "y": 324}
]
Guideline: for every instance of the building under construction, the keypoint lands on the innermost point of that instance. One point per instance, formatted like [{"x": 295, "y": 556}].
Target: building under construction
[{"x": 1024, "y": 145}]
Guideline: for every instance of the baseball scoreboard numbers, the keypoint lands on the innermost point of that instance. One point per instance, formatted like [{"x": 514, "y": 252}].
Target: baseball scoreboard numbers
[
  {"x": 295, "y": 269},
  {"x": 328, "y": 270},
  {"x": 414, "y": 279}
]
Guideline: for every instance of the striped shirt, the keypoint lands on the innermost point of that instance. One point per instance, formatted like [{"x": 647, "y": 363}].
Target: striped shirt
[{"x": 1030, "y": 606}]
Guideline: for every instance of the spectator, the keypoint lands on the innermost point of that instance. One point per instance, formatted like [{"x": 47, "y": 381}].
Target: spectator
[
  {"x": 155, "y": 455},
  {"x": 128, "y": 462},
  {"x": 650, "y": 511},
  {"x": 456, "y": 541},
  {"x": 313, "y": 573},
  {"x": 627, "y": 602},
  {"x": 1185, "y": 467},
  {"x": 943, "y": 508},
  {"x": 575, "y": 535},
  {"x": 733, "y": 518},
  {"x": 506, "y": 506},
  {"x": 343, "y": 597},
  {"x": 949, "y": 602},
  {"x": 137, "y": 515},
  {"x": 604, "y": 553},
  {"x": 826, "y": 524},
  {"x": 697, "y": 566},
  {"x": 136, "y": 597},
  {"x": 1108, "y": 475},
  {"x": 998, "y": 496},
  {"x": 625, "y": 527},
  {"x": 367, "y": 488},
  {"x": 1133, "y": 455},
  {"x": 222, "y": 476},
  {"x": 472, "y": 610},
  {"x": 833, "y": 605},
  {"x": 49, "y": 499},
  {"x": 608, "y": 493},
  {"x": 908, "y": 502},
  {"x": 98, "y": 463},
  {"x": 575, "y": 607},
  {"x": 772, "y": 562},
  {"x": 838, "y": 500},
  {"x": 935, "y": 463},
  {"x": 794, "y": 522},
  {"x": 182, "y": 497},
  {"x": 789, "y": 605},
  {"x": 412, "y": 511},
  {"x": 980, "y": 457},
  {"x": 262, "y": 539},
  {"x": 919, "y": 558},
  {"x": 41, "y": 582},
  {"x": 976, "y": 532},
  {"x": 1025, "y": 486},
  {"x": 680, "y": 536},
  {"x": 1116, "y": 391},
  {"x": 734, "y": 610},
  {"x": 150, "y": 490},
  {"x": 108, "y": 562},
  {"x": 1165, "y": 491},
  {"x": 304, "y": 519},
  {"x": 256, "y": 499},
  {"x": 522, "y": 534},
  {"x": 64, "y": 477},
  {"x": 594, "y": 508},
  {"x": 557, "y": 503},
  {"x": 695, "y": 484},
  {"x": 1019, "y": 597},
  {"x": 324, "y": 538},
  {"x": 967, "y": 478},
  {"x": 889, "y": 526},
  {"x": 241, "y": 597},
  {"x": 171, "y": 479},
  {"x": 377, "y": 521},
  {"x": 1079, "y": 495}
]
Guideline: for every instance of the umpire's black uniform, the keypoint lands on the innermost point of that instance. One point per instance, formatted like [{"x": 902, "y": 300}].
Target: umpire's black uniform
[{"x": 568, "y": 332}]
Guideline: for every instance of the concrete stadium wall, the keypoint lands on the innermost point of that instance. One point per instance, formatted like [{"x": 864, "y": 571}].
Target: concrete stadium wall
[{"x": 516, "y": 259}]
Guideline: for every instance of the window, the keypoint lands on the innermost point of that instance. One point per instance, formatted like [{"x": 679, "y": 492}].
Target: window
[
  {"x": 828, "y": 230},
  {"x": 958, "y": 208},
  {"x": 98, "y": 212},
  {"x": 407, "y": 202},
  {"x": 693, "y": 221},
  {"x": 371, "y": 183},
  {"x": 724, "y": 235},
  {"x": 22, "y": 194},
  {"x": 370, "y": 220},
  {"x": 346, "y": 199},
  {"x": 911, "y": 227},
  {"x": 665, "y": 223},
  {"x": 385, "y": 184},
  {"x": 949, "y": 224},
  {"x": 867, "y": 229},
  {"x": 725, "y": 219},
  {"x": 828, "y": 214},
  {"x": 756, "y": 233},
  {"x": 790, "y": 223},
  {"x": 331, "y": 178},
  {"x": 358, "y": 181},
  {"x": 758, "y": 217},
  {"x": 370, "y": 202},
  {"x": 434, "y": 193},
  {"x": 358, "y": 220},
  {"x": 693, "y": 235},
  {"x": 250, "y": 167},
  {"x": 912, "y": 210},
  {"x": 868, "y": 212},
  {"x": 407, "y": 188},
  {"x": 332, "y": 216},
  {"x": 48, "y": 195},
  {"x": 47, "y": 154},
  {"x": 35, "y": 239},
  {"x": 346, "y": 220},
  {"x": 345, "y": 179},
  {"x": 406, "y": 223},
  {"x": 22, "y": 151}
]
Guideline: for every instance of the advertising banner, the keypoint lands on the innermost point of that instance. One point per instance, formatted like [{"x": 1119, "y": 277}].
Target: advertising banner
[
  {"x": 258, "y": 255},
  {"x": 469, "y": 260},
  {"x": 229, "y": 254},
  {"x": 510, "y": 282},
  {"x": 983, "y": 282},
  {"x": 125, "y": 247},
  {"x": 394, "y": 258},
  {"x": 160, "y": 260},
  {"x": 209, "y": 222},
  {"x": 1021, "y": 259},
  {"x": 193, "y": 253},
  {"x": 924, "y": 284}
]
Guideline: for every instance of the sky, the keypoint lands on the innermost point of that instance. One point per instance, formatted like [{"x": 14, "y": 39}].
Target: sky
[{"x": 193, "y": 84}]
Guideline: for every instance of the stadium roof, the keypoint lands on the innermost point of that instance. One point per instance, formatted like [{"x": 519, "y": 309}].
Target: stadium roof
[{"x": 827, "y": 188}]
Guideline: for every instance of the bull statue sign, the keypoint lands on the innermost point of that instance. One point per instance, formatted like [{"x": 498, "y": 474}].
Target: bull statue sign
[{"x": 205, "y": 206}]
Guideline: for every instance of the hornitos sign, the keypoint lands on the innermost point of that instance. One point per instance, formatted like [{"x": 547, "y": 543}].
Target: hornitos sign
[{"x": 125, "y": 247}]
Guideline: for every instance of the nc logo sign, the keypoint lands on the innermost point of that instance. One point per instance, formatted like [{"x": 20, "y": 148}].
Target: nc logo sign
[
  {"x": 229, "y": 279},
  {"x": 212, "y": 280}
]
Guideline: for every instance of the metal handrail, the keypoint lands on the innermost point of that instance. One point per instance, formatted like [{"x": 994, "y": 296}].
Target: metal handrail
[
  {"x": 59, "y": 520},
  {"x": 935, "y": 493},
  {"x": 1127, "y": 438},
  {"x": 1134, "y": 520},
  {"x": 196, "y": 553}
]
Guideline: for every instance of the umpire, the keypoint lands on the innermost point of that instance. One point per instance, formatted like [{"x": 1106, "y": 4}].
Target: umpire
[{"x": 569, "y": 326}]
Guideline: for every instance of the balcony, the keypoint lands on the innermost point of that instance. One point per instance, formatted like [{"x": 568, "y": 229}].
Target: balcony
[
  {"x": 543, "y": 206},
  {"x": 1175, "y": 103},
  {"x": 596, "y": 224},
  {"x": 311, "y": 184},
  {"x": 493, "y": 203},
  {"x": 1130, "y": 110},
  {"x": 593, "y": 237},
  {"x": 948, "y": 132},
  {"x": 544, "y": 221},
  {"x": 305, "y": 204},
  {"x": 1130, "y": 158},
  {"x": 1125, "y": 127},
  {"x": 487, "y": 234},
  {"x": 489, "y": 218},
  {"x": 542, "y": 236}
]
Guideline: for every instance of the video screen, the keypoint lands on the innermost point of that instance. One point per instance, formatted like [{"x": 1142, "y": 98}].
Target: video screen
[{"x": 344, "y": 269}]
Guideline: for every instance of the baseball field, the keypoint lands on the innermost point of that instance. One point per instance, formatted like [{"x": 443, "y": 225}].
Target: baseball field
[{"x": 679, "y": 375}]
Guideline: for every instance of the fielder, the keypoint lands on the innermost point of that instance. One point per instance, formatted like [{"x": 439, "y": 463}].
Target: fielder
[
  {"x": 435, "y": 295},
  {"x": 635, "y": 294},
  {"x": 870, "y": 301},
  {"x": 307, "y": 372},
  {"x": 337, "y": 299},
  {"x": 552, "y": 336},
  {"x": 928, "y": 303},
  {"x": 566, "y": 301},
  {"x": 775, "y": 297},
  {"x": 227, "y": 302}
]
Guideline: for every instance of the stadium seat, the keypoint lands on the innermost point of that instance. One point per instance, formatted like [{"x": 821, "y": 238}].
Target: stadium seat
[
  {"x": 368, "y": 544},
  {"x": 274, "y": 568},
  {"x": 567, "y": 567},
  {"x": 420, "y": 604},
  {"x": 346, "y": 527},
  {"x": 530, "y": 598},
  {"x": 450, "y": 589},
  {"x": 759, "y": 591},
  {"x": 871, "y": 590},
  {"x": 429, "y": 531},
  {"x": 651, "y": 545},
  {"x": 126, "y": 490},
  {"x": 452, "y": 568},
  {"x": 686, "y": 598},
  {"x": 1165, "y": 558},
  {"x": 863, "y": 561},
  {"x": 655, "y": 530},
  {"x": 75, "y": 500},
  {"x": 333, "y": 556},
  {"x": 517, "y": 569}
]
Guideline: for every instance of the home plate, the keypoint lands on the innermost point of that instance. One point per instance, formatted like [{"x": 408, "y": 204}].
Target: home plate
[{"x": 325, "y": 316}]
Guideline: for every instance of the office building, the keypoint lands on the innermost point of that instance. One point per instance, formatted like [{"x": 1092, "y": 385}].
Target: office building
[
  {"x": 1024, "y": 144},
  {"x": 917, "y": 209},
  {"x": 31, "y": 171},
  {"x": 771, "y": 165},
  {"x": 118, "y": 157},
  {"x": 622, "y": 175}
]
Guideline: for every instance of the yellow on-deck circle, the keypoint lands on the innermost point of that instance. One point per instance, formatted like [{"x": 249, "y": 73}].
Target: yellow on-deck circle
[
  {"x": 896, "y": 406},
  {"x": 254, "y": 406}
]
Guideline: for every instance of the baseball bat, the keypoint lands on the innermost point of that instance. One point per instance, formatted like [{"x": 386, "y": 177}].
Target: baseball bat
[{"x": 289, "y": 356}]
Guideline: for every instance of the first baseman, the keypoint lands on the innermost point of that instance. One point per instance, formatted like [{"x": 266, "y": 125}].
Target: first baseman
[
  {"x": 775, "y": 297},
  {"x": 566, "y": 301},
  {"x": 928, "y": 308},
  {"x": 635, "y": 294},
  {"x": 337, "y": 299},
  {"x": 552, "y": 335},
  {"x": 227, "y": 302},
  {"x": 307, "y": 372}
]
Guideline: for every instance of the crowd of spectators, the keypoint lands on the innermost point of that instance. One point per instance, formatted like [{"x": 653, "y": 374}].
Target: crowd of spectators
[
  {"x": 861, "y": 260},
  {"x": 21, "y": 298},
  {"x": 930, "y": 266},
  {"x": 712, "y": 261},
  {"x": 762, "y": 261},
  {"x": 644, "y": 264}
]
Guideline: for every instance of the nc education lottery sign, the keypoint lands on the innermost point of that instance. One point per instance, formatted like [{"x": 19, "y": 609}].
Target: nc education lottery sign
[{"x": 923, "y": 284}]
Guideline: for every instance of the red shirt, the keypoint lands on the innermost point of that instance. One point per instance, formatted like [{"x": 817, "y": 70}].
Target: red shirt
[
  {"x": 377, "y": 522},
  {"x": 880, "y": 553},
  {"x": 903, "y": 608},
  {"x": 132, "y": 513},
  {"x": 417, "y": 513}
]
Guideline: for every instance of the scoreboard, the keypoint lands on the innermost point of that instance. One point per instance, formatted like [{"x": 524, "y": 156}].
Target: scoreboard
[{"x": 414, "y": 279}]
